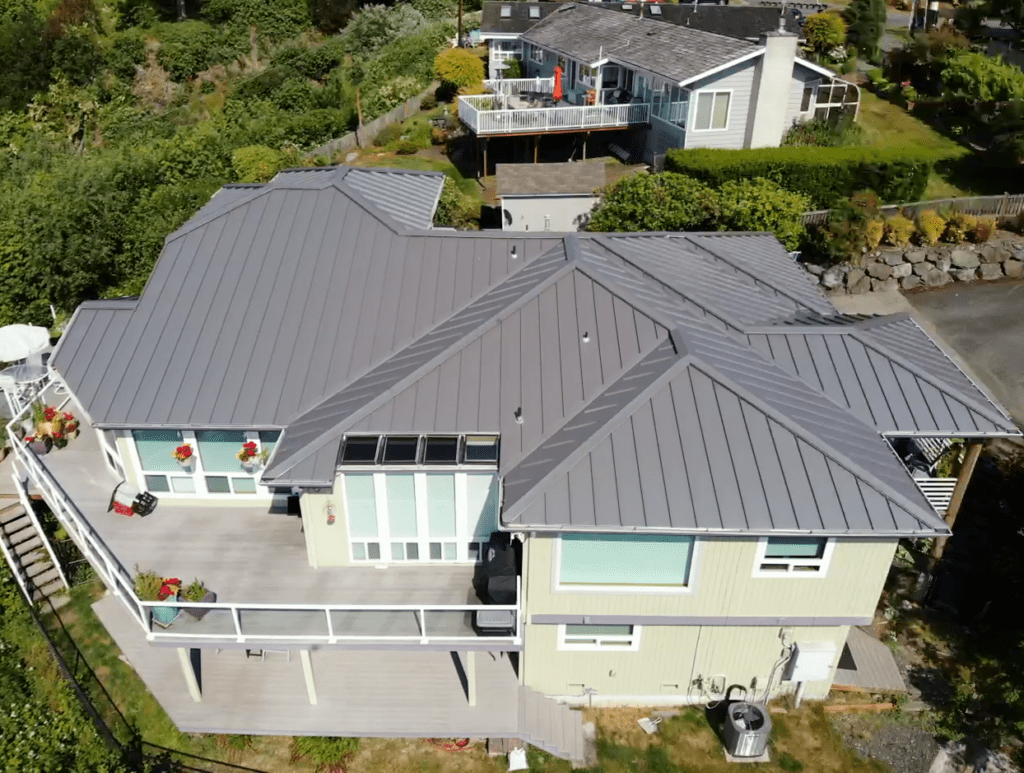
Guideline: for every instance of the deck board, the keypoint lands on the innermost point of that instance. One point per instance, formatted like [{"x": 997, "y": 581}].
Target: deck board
[
  {"x": 876, "y": 668},
  {"x": 360, "y": 693}
]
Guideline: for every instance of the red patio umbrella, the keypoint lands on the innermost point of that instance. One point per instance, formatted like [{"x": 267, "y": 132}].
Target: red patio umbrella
[{"x": 557, "y": 92}]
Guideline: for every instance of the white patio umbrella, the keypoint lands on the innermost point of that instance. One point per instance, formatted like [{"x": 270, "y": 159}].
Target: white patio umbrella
[{"x": 20, "y": 341}]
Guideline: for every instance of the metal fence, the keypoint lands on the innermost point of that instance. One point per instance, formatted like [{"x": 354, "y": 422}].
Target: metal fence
[{"x": 1005, "y": 206}]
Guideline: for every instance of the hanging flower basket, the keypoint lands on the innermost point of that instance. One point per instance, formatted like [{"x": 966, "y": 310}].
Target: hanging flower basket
[
  {"x": 185, "y": 455},
  {"x": 248, "y": 456}
]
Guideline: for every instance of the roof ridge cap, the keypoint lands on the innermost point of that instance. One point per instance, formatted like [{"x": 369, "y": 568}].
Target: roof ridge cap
[{"x": 192, "y": 224}]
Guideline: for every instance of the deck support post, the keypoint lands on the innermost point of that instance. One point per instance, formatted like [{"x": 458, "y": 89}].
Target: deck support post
[
  {"x": 963, "y": 478},
  {"x": 585, "y": 138},
  {"x": 185, "y": 658},
  {"x": 471, "y": 676},
  {"x": 485, "y": 156},
  {"x": 536, "y": 147},
  {"x": 307, "y": 672}
]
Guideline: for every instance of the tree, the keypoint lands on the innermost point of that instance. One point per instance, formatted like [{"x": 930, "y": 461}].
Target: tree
[
  {"x": 824, "y": 31},
  {"x": 458, "y": 67},
  {"x": 866, "y": 21},
  {"x": 1011, "y": 12},
  {"x": 979, "y": 77},
  {"x": 374, "y": 26}
]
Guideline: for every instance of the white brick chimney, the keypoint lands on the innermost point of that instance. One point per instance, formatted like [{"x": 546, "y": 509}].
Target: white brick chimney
[{"x": 769, "y": 95}]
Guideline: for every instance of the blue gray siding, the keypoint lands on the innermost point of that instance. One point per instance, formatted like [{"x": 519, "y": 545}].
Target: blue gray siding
[{"x": 738, "y": 79}]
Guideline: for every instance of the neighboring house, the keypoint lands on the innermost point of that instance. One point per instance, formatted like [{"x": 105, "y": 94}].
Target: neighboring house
[
  {"x": 687, "y": 445},
  {"x": 548, "y": 197},
  {"x": 675, "y": 86}
]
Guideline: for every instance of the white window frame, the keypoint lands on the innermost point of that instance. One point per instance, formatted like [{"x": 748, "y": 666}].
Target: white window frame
[
  {"x": 506, "y": 11},
  {"x": 695, "y": 97},
  {"x": 537, "y": 54},
  {"x": 674, "y": 590},
  {"x": 633, "y": 640},
  {"x": 586, "y": 75},
  {"x": 198, "y": 473},
  {"x": 795, "y": 567},
  {"x": 467, "y": 548},
  {"x": 534, "y": 12}
]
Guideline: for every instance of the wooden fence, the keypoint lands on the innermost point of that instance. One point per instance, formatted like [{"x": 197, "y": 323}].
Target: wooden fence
[
  {"x": 1004, "y": 206},
  {"x": 364, "y": 136}
]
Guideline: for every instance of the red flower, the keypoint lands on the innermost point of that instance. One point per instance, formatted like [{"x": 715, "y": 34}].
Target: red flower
[
  {"x": 49, "y": 413},
  {"x": 30, "y": 439},
  {"x": 69, "y": 417},
  {"x": 250, "y": 447},
  {"x": 183, "y": 452},
  {"x": 121, "y": 509},
  {"x": 58, "y": 435},
  {"x": 172, "y": 581},
  {"x": 164, "y": 592}
]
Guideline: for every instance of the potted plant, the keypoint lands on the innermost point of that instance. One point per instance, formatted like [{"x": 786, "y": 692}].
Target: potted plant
[
  {"x": 40, "y": 444},
  {"x": 248, "y": 456},
  {"x": 150, "y": 586},
  {"x": 70, "y": 425},
  {"x": 184, "y": 455},
  {"x": 199, "y": 593}
]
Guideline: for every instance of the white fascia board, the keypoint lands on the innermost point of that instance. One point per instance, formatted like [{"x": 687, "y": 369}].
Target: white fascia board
[
  {"x": 500, "y": 35},
  {"x": 722, "y": 67},
  {"x": 816, "y": 68}
]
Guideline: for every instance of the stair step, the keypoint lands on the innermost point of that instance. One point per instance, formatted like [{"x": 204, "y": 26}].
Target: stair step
[
  {"x": 52, "y": 588},
  {"x": 47, "y": 574},
  {"x": 18, "y": 526},
  {"x": 37, "y": 569},
  {"x": 26, "y": 545}
]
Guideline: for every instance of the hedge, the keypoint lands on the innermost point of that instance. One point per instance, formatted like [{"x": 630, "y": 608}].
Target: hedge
[{"x": 823, "y": 174}]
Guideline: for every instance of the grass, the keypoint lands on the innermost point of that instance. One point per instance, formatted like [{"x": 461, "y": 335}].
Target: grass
[{"x": 887, "y": 125}]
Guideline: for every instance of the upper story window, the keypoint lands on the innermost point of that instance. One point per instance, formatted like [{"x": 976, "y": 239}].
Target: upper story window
[
  {"x": 534, "y": 11},
  {"x": 637, "y": 563},
  {"x": 712, "y": 111},
  {"x": 789, "y": 556},
  {"x": 416, "y": 450},
  {"x": 506, "y": 12},
  {"x": 537, "y": 54}
]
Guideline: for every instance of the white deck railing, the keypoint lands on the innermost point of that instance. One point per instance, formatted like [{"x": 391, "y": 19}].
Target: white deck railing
[
  {"x": 520, "y": 85},
  {"x": 938, "y": 492},
  {"x": 479, "y": 113},
  {"x": 249, "y": 622}
]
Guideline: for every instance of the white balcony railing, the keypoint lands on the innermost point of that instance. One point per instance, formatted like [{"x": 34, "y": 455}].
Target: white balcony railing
[
  {"x": 938, "y": 492},
  {"x": 521, "y": 85},
  {"x": 250, "y": 622},
  {"x": 491, "y": 114}
]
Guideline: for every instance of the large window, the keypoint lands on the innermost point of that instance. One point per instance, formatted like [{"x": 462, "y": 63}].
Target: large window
[
  {"x": 214, "y": 468},
  {"x": 636, "y": 562},
  {"x": 789, "y": 556},
  {"x": 417, "y": 450},
  {"x": 420, "y": 516},
  {"x": 712, "y": 112},
  {"x": 599, "y": 637}
]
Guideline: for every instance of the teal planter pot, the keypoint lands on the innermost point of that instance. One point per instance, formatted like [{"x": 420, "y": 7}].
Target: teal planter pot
[{"x": 165, "y": 615}]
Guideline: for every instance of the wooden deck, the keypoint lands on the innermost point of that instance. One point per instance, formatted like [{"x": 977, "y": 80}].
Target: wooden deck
[
  {"x": 874, "y": 668},
  {"x": 359, "y": 693},
  {"x": 245, "y": 554}
]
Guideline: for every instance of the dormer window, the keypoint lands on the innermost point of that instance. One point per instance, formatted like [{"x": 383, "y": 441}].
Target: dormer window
[
  {"x": 360, "y": 450},
  {"x": 407, "y": 451},
  {"x": 441, "y": 450},
  {"x": 401, "y": 449},
  {"x": 506, "y": 12},
  {"x": 534, "y": 11}
]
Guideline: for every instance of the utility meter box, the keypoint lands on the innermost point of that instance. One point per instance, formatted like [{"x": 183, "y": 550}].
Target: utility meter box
[
  {"x": 811, "y": 661},
  {"x": 746, "y": 730}
]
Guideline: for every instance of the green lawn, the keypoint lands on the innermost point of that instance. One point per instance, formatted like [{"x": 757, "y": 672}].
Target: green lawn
[{"x": 887, "y": 125}]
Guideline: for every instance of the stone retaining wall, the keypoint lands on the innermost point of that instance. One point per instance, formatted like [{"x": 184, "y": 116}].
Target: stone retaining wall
[{"x": 892, "y": 268}]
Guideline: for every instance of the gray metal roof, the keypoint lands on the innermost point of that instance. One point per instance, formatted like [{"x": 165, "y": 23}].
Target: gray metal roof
[
  {"x": 579, "y": 178},
  {"x": 683, "y": 380},
  {"x": 587, "y": 32}
]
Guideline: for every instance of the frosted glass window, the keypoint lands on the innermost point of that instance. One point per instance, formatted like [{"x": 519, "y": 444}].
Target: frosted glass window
[
  {"x": 625, "y": 559},
  {"x": 157, "y": 483},
  {"x": 482, "y": 505},
  {"x": 795, "y": 547},
  {"x": 155, "y": 447},
  {"x": 218, "y": 484},
  {"x": 217, "y": 449},
  {"x": 183, "y": 485},
  {"x": 359, "y": 551},
  {"x": 244, "y": 485},
  {"x": 401, "y": 505},
  {"x": 361, "y": 505},
  {"x": 441, "y": 505}
]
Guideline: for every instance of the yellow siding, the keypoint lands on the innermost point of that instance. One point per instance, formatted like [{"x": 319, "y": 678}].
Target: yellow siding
[
  {"x": 722, "y": 585},
  {"x": 668, "y": 662},
  {"x": 327, "y": 544}
]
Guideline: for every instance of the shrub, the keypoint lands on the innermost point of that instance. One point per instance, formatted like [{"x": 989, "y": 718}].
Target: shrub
[
  {"x": 984, "y": 228},
  {"x": 959, "y": 227},
  {"x": 655, "y": 202},
  {"x": 295, "y": 94},
  {"x": 514, "y": 68},
  {"x": 389, "y": 134},
  {"x": 761, "y": 205},
  {"x": 191, "y": 46},
  {"x": 898, "y": 230},
  {"x": 406, "y": 147},
  {"x": 436, "y": 10},
  {"x": 977, "y": 76},
  {"x": 848, "y": 234},
  {"x": 256, "y": 163},
  {"x": 459, "y": 67},
  {"x": 438, "y": 136},
  {"x": 324, "y": 751},
  {"x": 454, "y": 208},
  {"x": 277, "y": 20},
  {"x": 930, "y": 226},
  {"x": 823, "y": 174},
  {"x": 875, "y": 75},
  {"x": 387, "y": 95},
  {"x": 375, "y": 26},
  {"x": 428, "y": 102},
  {"x": 873, "y": 231},
  {"x": 824, "y": 31},
  {"x": 824, "y": 132}
]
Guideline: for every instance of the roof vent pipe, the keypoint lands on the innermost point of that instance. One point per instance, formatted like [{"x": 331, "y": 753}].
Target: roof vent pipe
[
  {"x": 513, "y": 252},
  {"x": 519, "y": 415}
]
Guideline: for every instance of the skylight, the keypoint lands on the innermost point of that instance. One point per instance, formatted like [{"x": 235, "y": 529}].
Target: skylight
[
  {"x": 506, "y": 12},
  {"x": 655, "y": 10},
  {"x": 534, "y": 11}
]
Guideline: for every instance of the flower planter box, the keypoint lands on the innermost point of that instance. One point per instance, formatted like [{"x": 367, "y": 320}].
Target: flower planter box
[
  {"x": 199, "y": 614},
  {"x": 164, "y": 616},
  {"x": 40, "y": 447}
]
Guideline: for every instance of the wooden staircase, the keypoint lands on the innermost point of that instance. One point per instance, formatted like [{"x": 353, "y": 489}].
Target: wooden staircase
[
  {"x": 553, "y": 727},
  {"x": 32, "y": 561}
]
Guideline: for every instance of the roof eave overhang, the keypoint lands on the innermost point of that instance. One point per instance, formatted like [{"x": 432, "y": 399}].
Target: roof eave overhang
[
  {"x": 707, "y": 532},
  {"x": 722, "y": 67}
]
